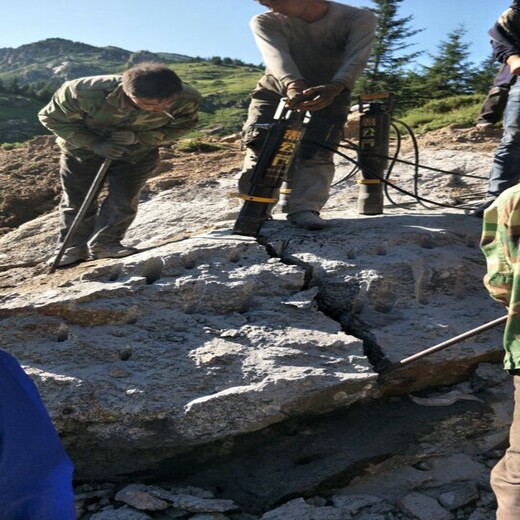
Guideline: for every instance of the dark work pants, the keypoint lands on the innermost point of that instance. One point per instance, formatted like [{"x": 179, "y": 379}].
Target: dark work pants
[
  {"x": 505, "y": 172},
  {"x": 492, "y": 108},
  {"x": 107, "y": 224},
  {"x": 505, "y": 476}
]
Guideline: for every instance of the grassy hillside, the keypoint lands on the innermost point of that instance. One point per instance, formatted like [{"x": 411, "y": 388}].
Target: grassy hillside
[
  {"x": 18, "y": 118},
  {"x": 225, "y": 89},
  {"x": 439, "y": 113},
  {"x": 225, "y": 85}
]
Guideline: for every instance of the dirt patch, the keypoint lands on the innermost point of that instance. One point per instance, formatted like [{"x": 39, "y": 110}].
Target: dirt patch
[
  {"x": 462, "y": 138},
  {"x": 31, "y": 185},
  {"x": 30, "y": 182}
]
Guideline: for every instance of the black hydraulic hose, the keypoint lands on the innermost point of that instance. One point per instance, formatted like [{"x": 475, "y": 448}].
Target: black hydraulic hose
[
  {"x": 349, "y": 175},
  {"x": 393, "y": 160},
  {"x": 382, "y": 179},
  {"x": 416, "y": 163},
  {"x": 391, "y": 167},
  {"x": 430, "y": 168}
]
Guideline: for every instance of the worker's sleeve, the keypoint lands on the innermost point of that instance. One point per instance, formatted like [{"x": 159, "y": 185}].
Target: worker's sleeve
[
  {"x": 183, "y": 117},
  {"x": 505, "y": 35},
  {"x": 498, "y": 250},
  {"x": 274, "y": 48},
  {"x": 357, "y": 48},
  {"x": 64, "y": 117}
]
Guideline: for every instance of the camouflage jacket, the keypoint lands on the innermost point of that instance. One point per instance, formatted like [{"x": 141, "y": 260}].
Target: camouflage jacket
[
  {"x": 86, "y": 110},
  {"x": 500, "y": 245}
]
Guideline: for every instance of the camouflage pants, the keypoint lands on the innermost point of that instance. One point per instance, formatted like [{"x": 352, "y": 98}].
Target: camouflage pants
[
  {"x": 315, "y": 165},
  {"x": 104, "y": 224},
  {"x": 505, "y": 476}
]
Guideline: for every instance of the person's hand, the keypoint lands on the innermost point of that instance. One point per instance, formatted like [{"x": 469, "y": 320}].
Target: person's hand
[
  {"x": 294, "y": 94},
  {"x": 125, "y": 137},
  {"x": 514, "y": 64},
  {"x": 109, "y": 150},
  {"x": 319, "y": 97}
]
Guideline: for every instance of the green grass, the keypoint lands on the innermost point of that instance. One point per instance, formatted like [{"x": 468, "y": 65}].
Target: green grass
[
  {"x": 436, "y": 114},
  {"x": 11, "y": 146},
  {"x": 196, "y": 145},
  {"x": 19, "y": 119},
  {"x": 209, "y": 78},
  {"x": 224, "y": 121},
  {"x": 225, "y": 89},
  {"x": 18, "y": 107}
]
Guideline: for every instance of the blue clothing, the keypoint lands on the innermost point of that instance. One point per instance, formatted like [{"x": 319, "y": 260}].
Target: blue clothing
[
  {"x": 504, "y": 78},
  {"x": 505, "y": 172},
  {"x": 35, "y": 471}
]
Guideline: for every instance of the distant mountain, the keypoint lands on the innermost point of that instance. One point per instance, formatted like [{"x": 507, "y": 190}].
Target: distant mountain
[
  {"x": 56, "y": 60},
  {"x": 29, "y": 74}
]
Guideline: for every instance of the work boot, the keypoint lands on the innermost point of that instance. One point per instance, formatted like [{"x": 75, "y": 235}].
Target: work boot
[
  {"x": 479, "y": 210},
  {"x": 484, "y": 124},
  {"x": 112, "y": 251},
  {"x": 307, "y": 219},
  {"x": 71, "y": 255}
]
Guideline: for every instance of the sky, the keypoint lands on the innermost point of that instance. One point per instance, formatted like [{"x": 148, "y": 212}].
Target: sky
[{"x": 209, "y": 28}]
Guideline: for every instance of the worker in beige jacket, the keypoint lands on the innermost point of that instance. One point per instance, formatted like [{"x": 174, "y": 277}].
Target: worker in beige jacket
[{"x": 314, "y": 50}]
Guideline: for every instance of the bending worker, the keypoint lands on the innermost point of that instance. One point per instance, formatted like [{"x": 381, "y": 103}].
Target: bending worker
[
  {"x": 314, "y": 51},
  {"x": 125, "y": 118}
]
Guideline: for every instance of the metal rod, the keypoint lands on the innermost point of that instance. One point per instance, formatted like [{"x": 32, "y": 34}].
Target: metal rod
[
  {"x": 92, "y": 192},
  {"x": 452, "y": 341}
]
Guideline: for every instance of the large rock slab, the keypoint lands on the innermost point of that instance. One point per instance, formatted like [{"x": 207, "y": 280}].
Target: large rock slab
[
  {"x": 185, "y": 344},
  {"x": 205, "y": 336}
]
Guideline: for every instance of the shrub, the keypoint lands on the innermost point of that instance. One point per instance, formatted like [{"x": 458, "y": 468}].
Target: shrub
[{"x": 196, "y": 145}]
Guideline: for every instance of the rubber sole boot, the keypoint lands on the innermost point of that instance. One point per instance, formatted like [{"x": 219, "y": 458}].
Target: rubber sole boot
[
  {"x": 71, "y": 255},
  {"x": 307, "y": 219},
  {"x": 117, "y": 251}
]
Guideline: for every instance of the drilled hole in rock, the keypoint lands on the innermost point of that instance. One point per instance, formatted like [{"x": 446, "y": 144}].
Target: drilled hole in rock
[
  {"x": 234, "y": 256},
  {"x": 153, "y": 270},
  {"x": 308, "y": 459},
  {"x": 133, "y": 314},
  {"x": 190, "y": 264},
  {"x": 68, "y": 410},
  {"x": 125, "y": 354},
  {"x": 384, "y": 307},
  {"x": 115, "y": 274},
  {"x": 63, "y": 335}
]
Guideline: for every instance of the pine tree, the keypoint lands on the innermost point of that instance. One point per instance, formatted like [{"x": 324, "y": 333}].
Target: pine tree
[
  {"x": 451, "y": 73},
  {"x": 386, "y": 68}
]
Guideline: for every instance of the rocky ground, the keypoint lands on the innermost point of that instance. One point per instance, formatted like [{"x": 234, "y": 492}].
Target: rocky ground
[
  {"x": 30, "y": 182},
  {"x": 427, "y": 452}
]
